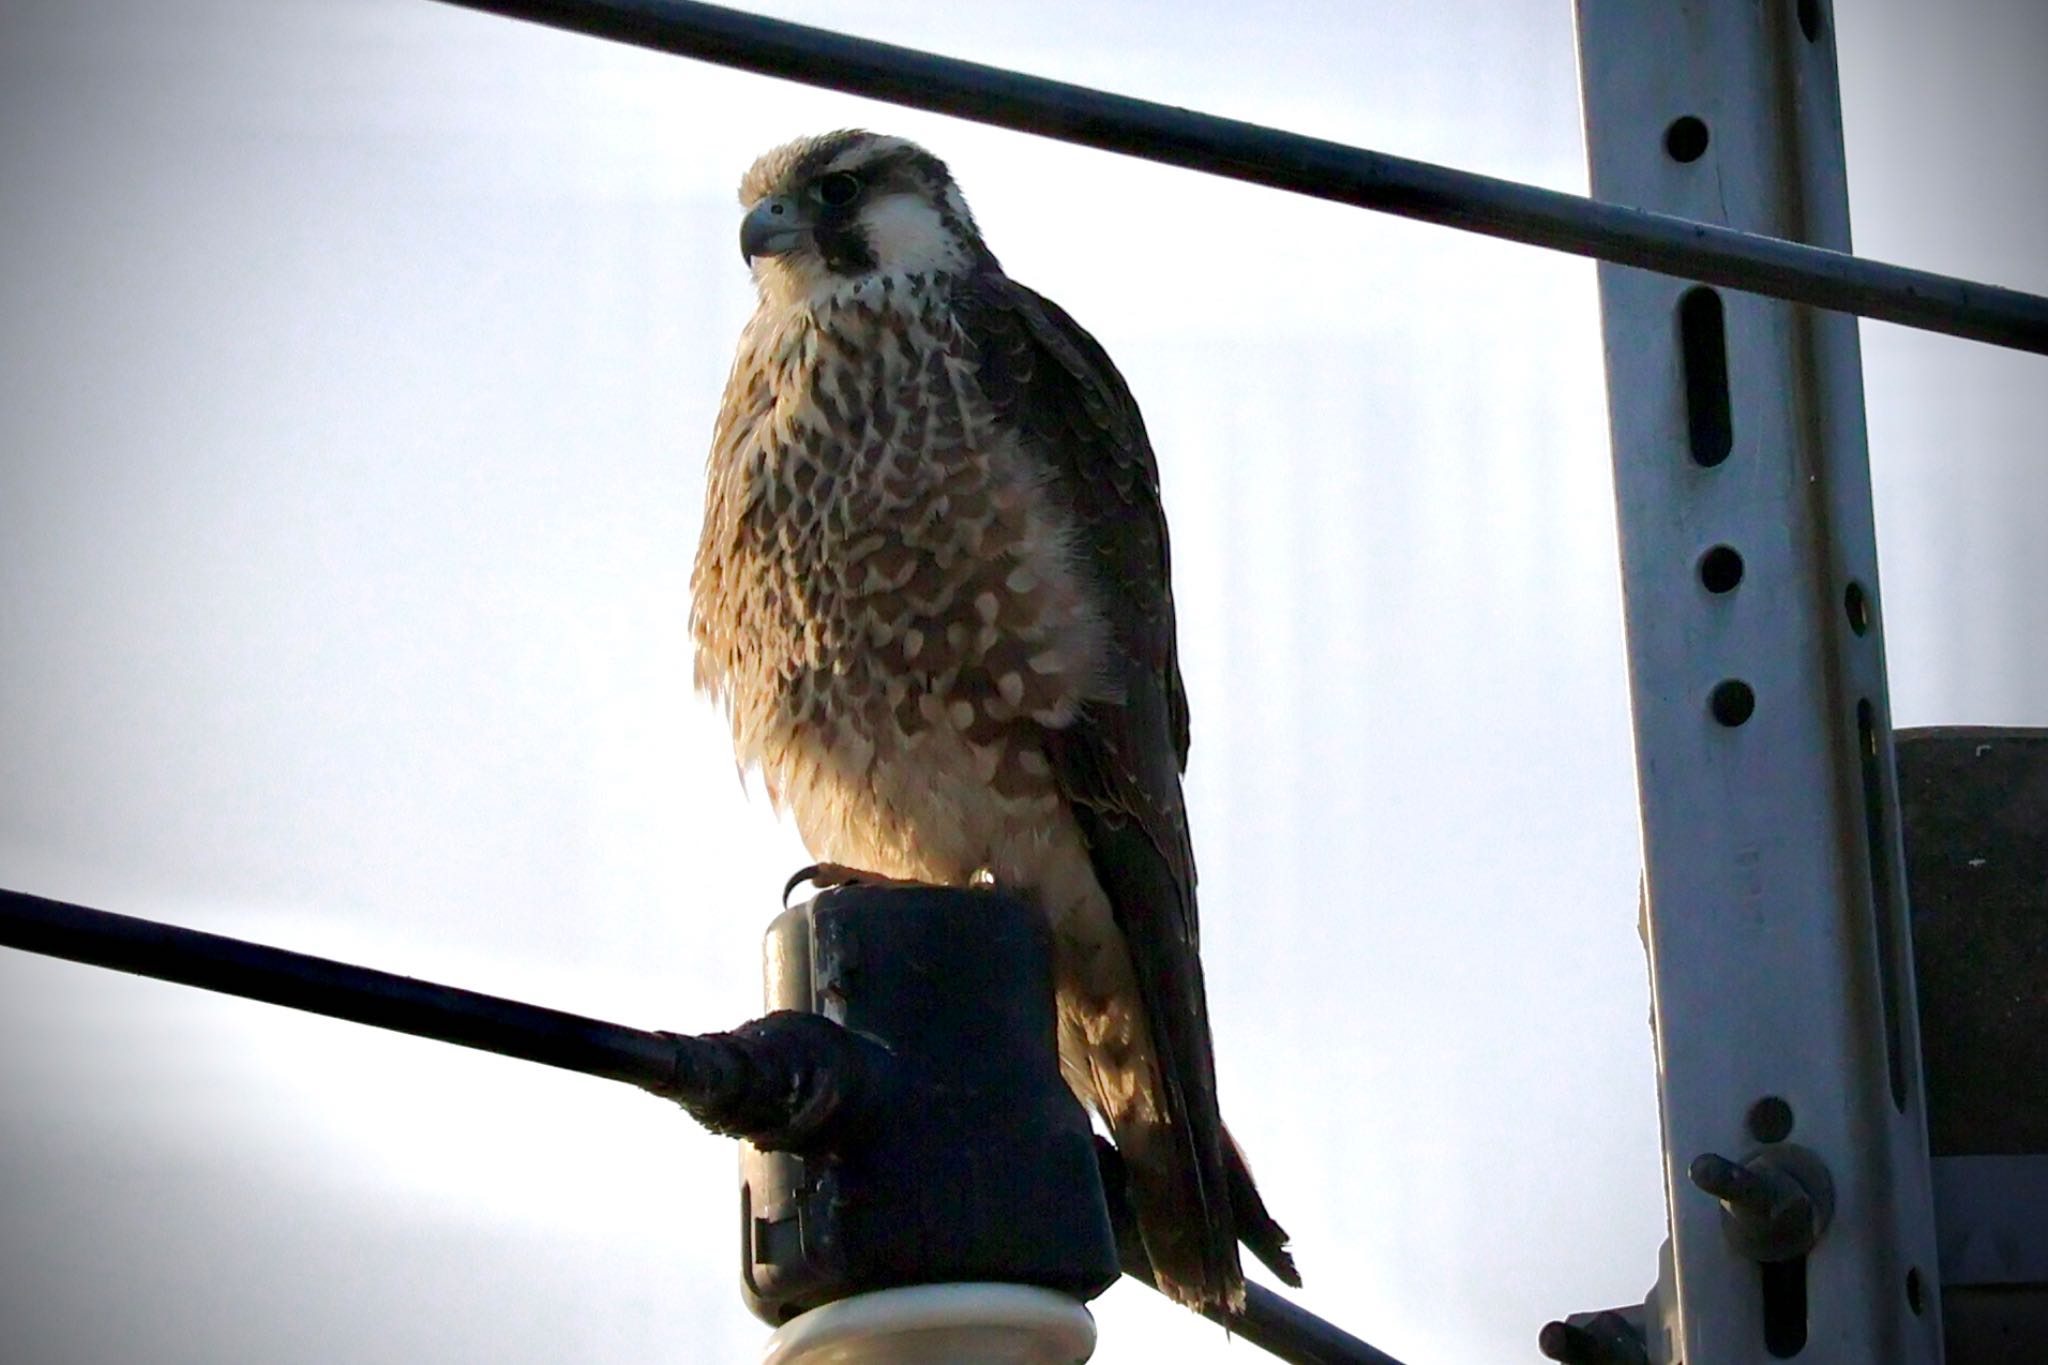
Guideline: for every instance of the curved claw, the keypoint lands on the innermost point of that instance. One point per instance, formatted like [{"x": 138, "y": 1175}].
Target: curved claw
[
  {"x": 831, "y": 876},
  {"x": 798, "y": 878}
]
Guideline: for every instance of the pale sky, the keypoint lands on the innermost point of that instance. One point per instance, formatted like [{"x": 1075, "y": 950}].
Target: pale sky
[{"x": 357, "y": 362}]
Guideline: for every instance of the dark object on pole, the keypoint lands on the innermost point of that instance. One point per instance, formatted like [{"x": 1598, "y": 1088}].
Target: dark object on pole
[
  {"x": 793, "y": 1079},
  {"x": 1304, "y": 165},
  {"x": 1609, "y": 1337},
  {"x": 1976, "y": 812},
  {"x": 972, "y": 1161},
  {"x": 1775, "y": 1205}
]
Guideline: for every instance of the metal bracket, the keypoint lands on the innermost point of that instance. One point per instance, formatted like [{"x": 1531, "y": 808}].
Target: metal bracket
[{"x": 1780, "y": 959}]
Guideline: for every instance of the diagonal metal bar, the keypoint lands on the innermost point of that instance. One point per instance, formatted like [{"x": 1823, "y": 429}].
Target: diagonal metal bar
[
  {"x": 1304, "y": 165},
  {"x": 1281, "y": 1327},
  {"x": 729, "y": 1081}
]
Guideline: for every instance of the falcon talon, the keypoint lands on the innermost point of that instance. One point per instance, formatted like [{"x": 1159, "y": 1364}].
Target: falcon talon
[
  {"x": 832, "y": 876},
  {"x": 796, "y": 879},
  {"x": 823, "y": 876},
  {"x": 932, "y": 596}
]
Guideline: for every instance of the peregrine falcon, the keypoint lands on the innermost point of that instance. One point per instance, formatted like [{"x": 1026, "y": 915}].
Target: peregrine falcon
[{"x": 932, "y": 594}]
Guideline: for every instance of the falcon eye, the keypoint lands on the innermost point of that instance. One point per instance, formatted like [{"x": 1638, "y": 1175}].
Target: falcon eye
[{"x": 838, "y": 189}]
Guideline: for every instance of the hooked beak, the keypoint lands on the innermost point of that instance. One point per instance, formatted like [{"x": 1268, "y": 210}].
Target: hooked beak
[{"x": 773, "y": 227}]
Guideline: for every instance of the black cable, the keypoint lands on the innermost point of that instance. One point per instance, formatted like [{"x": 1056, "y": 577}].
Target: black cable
[
  {"x": 777, "y": 1081},
  {"x": 1304, "y": 165}
]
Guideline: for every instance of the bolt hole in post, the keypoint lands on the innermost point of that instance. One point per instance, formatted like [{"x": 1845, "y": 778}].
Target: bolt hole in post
[
  {"x": 1720, "y": 569},
  {"x": 1686, "y": 139},
  {"x": 1784, "y": 1290},
  {"x": 1770, "y": 1120},
  {"x": 1703, "y": 350},
  {"x": 1732, "y": 702},
  {"x": 1856, "y": 605},
  {"x": 1810, "y": 19}
]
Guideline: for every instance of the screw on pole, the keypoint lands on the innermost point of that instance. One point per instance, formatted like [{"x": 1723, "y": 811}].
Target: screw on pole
[
  {"x": 1603, "y": 1338},
  {"x": 1775, "y": 1206}
]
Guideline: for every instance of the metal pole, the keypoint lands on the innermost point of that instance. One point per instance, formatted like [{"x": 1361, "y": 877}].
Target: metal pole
[
  {"x": 1707, "y": 251},
  {"x": 1775, "y": 917}
]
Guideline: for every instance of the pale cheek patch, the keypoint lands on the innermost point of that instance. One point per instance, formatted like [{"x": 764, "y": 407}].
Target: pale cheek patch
[{"x": 908, "y": 237}]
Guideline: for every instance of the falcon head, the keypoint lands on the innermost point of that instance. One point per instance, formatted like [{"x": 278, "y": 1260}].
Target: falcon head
[{"x": 828, "y": 210}]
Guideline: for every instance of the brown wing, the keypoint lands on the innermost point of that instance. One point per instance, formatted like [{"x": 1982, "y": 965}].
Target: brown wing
[{"x": 1120, "y": 765}]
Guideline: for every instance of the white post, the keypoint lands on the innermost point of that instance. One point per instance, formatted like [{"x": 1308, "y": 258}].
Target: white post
[
  {"x": 1780, "y": 960},
  {"x": 940, "y": 1324}
]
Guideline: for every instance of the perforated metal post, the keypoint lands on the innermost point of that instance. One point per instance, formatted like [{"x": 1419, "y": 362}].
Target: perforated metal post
[{"x": 1788, "y": 1056}]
